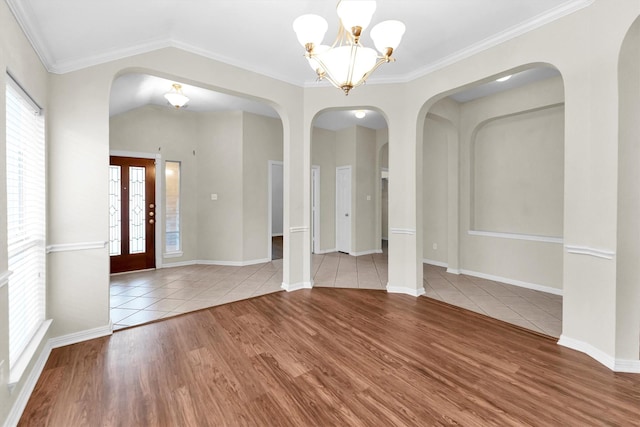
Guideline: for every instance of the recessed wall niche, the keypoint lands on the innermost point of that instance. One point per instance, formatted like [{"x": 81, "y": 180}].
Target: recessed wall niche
[{"x": 518, "y": 173}]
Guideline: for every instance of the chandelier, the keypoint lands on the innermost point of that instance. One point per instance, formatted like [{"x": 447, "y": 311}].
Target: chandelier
[
  {"x": 347, "y": 63},
  {"x": 176, "y": 97}
]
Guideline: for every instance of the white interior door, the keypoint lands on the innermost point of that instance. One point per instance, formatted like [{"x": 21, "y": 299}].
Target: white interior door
[
  {"x": 343, "y": 209},
  {"x": 315, "y": 209}
]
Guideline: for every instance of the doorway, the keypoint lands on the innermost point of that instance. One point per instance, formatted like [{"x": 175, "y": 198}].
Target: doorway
[
  {"x": 276, "y": 206},
  {"x": 132, "y": 209},
  {"x": 343, "y": 209}
]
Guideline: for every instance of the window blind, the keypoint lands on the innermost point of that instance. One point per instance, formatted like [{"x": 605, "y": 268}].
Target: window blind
[{"x": 26, "y": 227}]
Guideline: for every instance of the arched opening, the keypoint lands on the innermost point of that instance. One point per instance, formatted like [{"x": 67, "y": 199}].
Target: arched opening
[
  {"x": 346, "y": 159},
  {"x": 628, "y": 244},
  {"x": 493, "y": 194},
  {"x": 212, "y": 219}
]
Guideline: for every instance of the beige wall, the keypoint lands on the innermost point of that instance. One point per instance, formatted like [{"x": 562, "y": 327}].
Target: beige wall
[
  {"x": 364, "y": 181},
  {"x": 221, "y": 153},
  {"x": 356, "y": 147},
  {"x": 518, "y": 164},
  {"x": 517, "y": 138},
  {"x": 220, "y": 171},
  {"x": 436, "y": 196},
  {"x": 262, "y": 141},
  {"x": 323, "y": 154},
  {"x": 173, "y": 134}
]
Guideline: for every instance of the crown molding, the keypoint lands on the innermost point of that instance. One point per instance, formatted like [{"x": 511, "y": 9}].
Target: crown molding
[
  {"x": 501, "y": 37},
  {"x": 23, "y": 14}
]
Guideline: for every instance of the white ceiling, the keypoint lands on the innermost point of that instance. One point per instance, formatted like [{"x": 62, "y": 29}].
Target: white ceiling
[{"x": 257, "y": 35}]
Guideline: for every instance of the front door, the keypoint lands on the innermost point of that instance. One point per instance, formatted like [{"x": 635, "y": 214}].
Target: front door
[{"x": 132, "y": 213}]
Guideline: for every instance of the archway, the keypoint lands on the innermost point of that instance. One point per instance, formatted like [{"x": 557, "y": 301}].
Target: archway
[
  {"x": 213, "y": 222},
  {"x": 628, "y": 244},
  {"x": 345, "y": 154},
  {"x": 492, "y": 207}
]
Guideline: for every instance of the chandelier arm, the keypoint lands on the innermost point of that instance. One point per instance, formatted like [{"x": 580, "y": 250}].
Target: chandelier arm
[
  {"x": 382, "y": 60},
  {"x": 327, "y": 73},
  {"x": 352, "y": 64}
]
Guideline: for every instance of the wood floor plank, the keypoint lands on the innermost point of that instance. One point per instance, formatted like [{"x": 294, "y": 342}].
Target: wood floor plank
[{"x": 329, "y": 357}]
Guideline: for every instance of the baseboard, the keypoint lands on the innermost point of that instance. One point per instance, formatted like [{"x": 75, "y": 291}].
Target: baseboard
[
  {"x": 589, "y": 350},
  {"x": 177, "y": 264},
  {"x": 296, "y": 286},
  {"x": 434, "y": 262},
  {"x": 369, "y": 252},
  {"x": 534, "y": 286},
  {"x": 30, "y": 383},
  {"x": 453, "y": 270},
  {"x": 233, "y": 263},
  {"x": 325, "y": 251},
  {"x": 25, "y": 393},
  {"x": 77, "y": 337},
  {"x": 616, "y": 365},
  {"x": 404, "y": 290},
  {"x": 627, "y": 366}
]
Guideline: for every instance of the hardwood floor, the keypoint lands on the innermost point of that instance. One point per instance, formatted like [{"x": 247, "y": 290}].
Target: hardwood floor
[{"x": 329, "y": 357}]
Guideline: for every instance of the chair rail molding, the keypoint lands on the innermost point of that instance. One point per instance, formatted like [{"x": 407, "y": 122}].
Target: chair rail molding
[
  {"x": 586, "y": 250},
  {"x": 81, "y": 246}
]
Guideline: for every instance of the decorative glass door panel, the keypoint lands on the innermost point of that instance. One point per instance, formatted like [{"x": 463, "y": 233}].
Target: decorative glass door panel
[{"x": 131, "y": 214}]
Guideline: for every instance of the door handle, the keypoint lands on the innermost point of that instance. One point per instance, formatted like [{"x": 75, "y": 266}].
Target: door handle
[{"x": 151, "y": 221}]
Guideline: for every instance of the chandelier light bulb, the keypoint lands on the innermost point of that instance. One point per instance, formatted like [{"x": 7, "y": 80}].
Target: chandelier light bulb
[
  {"x": 310, "y": 30},
  {"x": 356, "y": 14},
  {"x": 387, "y": 35}
]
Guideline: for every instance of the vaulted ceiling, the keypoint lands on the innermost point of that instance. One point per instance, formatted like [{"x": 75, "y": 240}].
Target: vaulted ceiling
[{"x": 257, "y": 34}]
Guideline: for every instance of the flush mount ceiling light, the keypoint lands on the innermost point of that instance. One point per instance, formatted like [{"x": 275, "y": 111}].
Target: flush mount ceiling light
[
  {"x": 503, "y": 79},
  {"x": 360, "y": 114},
  {"x": 347, "y": 63},
  {"x": 176, "y": 97}
]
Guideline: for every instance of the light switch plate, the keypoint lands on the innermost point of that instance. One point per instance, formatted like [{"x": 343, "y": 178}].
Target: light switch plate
[{"x": 214, "y": 196}]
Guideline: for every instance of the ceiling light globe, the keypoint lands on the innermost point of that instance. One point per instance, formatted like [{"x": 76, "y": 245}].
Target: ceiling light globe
[
  {"x": 176, "y": 97},
  {"x": 356, "y": 13},
  {"x": 337, "y": 62},
  {"x": 310, "y": 29},
  {"x": 387, "y": 34}
]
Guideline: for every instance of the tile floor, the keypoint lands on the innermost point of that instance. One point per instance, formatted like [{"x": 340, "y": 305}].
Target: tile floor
[
  {"x": 538, "y": 311},
  {"x": 141, "y": 297}
]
